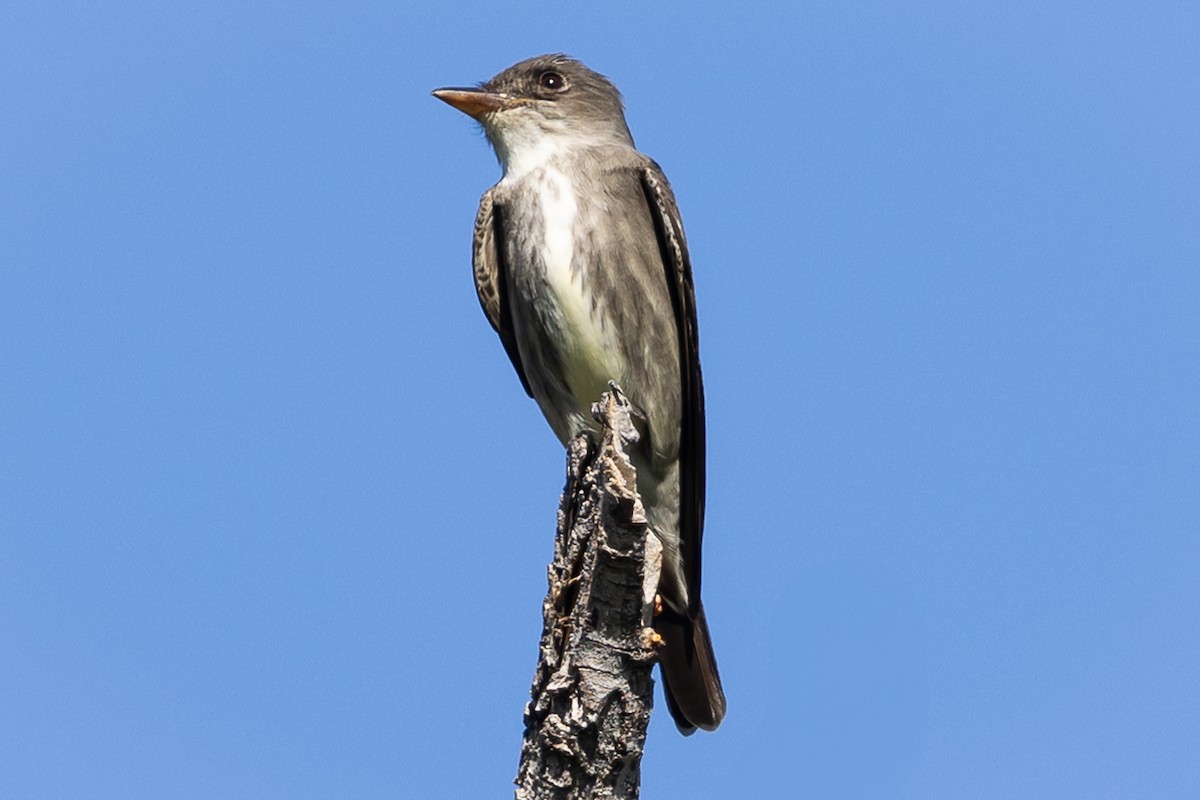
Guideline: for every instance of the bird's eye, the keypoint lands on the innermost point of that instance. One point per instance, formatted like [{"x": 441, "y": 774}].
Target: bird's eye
[{"x": 552, "y": 81}]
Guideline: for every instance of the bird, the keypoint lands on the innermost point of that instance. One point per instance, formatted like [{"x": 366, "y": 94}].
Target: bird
[{"x": 582, "y": 268}]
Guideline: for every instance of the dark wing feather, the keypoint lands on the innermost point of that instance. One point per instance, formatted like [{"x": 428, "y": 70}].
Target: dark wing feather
[
  {"x": 487, "y": 259},
  {"x": 668, "y": 225}
]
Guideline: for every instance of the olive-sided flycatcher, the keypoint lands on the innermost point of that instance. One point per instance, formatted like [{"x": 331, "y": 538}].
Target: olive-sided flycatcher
[{"x": 582, "y": 268}]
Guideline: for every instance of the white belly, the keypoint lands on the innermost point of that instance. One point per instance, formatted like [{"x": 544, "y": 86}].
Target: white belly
[{"x": 590, "y": 360}]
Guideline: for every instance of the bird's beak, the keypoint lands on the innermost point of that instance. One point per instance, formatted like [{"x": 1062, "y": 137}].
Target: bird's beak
[{"x": 475, "y": 102}]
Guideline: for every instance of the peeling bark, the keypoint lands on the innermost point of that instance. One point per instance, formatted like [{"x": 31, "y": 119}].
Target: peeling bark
[{"x": 585, "y": 724}]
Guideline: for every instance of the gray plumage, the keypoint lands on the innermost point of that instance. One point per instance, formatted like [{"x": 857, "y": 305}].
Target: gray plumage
[{"x": 582, "y": 268}]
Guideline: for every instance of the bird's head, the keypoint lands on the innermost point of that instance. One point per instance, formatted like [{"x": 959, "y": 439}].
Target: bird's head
[{"x": 546, "y": 104}]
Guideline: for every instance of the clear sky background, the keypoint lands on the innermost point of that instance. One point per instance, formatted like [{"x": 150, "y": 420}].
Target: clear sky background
[{"x": 275, "y": 512}]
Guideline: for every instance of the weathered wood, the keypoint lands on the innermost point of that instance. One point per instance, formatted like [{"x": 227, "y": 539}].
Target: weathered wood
[{"x": 585, "y": 724}]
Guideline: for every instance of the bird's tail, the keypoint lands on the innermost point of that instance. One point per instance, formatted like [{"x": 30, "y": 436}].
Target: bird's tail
[{"x": 691, "y": 682}]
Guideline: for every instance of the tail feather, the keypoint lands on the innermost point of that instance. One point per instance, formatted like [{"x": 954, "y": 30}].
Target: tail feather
[{"x": 690, "y": 679}]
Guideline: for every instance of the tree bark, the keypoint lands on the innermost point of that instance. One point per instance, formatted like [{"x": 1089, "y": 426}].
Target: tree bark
[{"x": 585, "y": 724}]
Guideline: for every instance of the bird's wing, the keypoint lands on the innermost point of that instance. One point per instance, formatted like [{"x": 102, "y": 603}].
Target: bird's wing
[
  {"x": 487, "y": 260},
  {"x": 668, "y": 226}
]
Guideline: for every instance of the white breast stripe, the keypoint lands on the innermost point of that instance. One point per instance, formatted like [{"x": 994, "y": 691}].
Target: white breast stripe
[
  {"x": 557, "y": 198},
  {"x": 588, "y": 361}
]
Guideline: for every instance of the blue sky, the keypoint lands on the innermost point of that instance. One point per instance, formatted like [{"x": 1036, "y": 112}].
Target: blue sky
[{"x": 275, "y": 512}]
